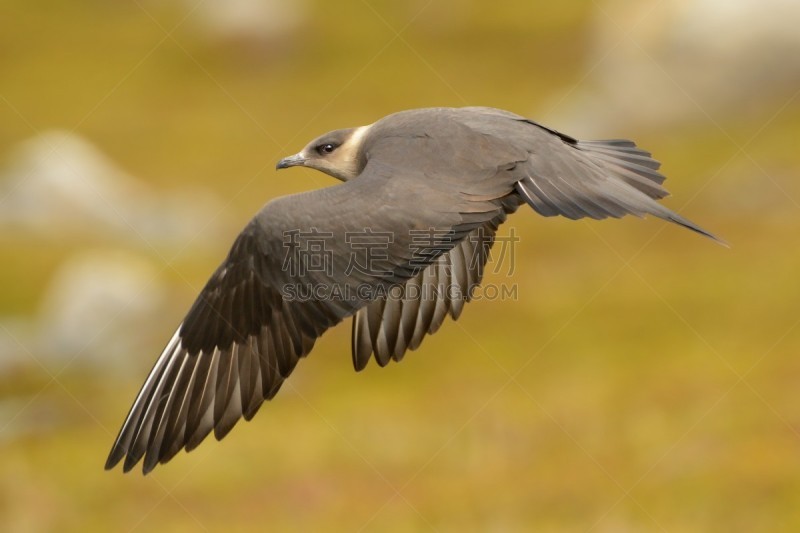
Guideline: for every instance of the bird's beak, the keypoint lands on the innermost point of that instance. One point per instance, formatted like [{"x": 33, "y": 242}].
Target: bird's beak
[{"x": 291, "y": 161}]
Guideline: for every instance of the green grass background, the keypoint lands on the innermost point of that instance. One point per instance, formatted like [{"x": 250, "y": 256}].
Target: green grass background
[{"x": 645, "y": 380}]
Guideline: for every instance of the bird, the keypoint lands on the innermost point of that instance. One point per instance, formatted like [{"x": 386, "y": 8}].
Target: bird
[{"x": 398, "y": 245}]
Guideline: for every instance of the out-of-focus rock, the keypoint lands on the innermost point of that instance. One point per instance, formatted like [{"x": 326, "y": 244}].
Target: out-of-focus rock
[
  {"x": 674, "y": 60},
  {"x": 258, "y": 22},
  {"x": 58, "y": 184},
  {"x": 101, "y": 307}
]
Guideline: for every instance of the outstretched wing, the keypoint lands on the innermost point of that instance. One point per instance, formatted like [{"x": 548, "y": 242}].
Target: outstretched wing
[
  {"x": 565, "y": 176},
  {"x": 234, "y": 349},
  {"x": 595, "y": 179}
]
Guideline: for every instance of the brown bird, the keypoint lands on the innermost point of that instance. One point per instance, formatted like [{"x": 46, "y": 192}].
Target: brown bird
[{"x": 423, "y": 194}]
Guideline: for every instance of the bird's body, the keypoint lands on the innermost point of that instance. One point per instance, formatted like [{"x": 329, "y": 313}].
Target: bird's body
[{"x": 423, "y": 194}]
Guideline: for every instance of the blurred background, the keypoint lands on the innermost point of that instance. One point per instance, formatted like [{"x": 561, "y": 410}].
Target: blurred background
[{"x": 644, "y": 379}]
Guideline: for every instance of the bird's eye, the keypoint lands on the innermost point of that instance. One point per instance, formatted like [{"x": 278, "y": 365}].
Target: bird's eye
[{"x": 326, "y": 148}]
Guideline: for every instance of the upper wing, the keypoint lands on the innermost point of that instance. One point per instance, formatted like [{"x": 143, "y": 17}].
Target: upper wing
[{"x": 561, "y": 175}]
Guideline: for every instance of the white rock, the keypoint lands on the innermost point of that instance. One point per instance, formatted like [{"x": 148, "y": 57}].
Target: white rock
[
  {"x": 250, "y": 20},
  {"x": 101, "y": 308},
  {"x": 58, "y": 184},
  {"x": 678, "y": 60}
]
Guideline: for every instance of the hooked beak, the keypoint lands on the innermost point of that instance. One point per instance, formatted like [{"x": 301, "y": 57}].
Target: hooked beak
[{"x": 291, "y": 161}]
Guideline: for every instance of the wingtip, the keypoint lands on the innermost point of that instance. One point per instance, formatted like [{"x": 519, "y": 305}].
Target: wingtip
[
  {"x": 114, "y": 457},
  {"x": 147, "y": 468},
  {"x": 130, "y": 462},
  {"x": 117, "y": 454}
]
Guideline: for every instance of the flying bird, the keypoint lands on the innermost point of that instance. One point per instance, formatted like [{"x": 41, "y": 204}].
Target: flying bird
[{"x": 423, "y": 194}]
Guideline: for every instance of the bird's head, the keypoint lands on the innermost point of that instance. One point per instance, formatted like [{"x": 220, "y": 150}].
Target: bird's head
[{"x": 339, "y": 154}]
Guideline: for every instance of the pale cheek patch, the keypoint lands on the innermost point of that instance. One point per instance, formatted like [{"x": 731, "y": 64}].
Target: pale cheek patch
[
  {"x": 358, "y": 136},
  {"x": 349, "y": 150},
  {"x": 347, "y": 155}
]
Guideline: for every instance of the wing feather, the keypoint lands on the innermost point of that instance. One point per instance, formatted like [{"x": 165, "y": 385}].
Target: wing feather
[{"x": 440, "y": 289}]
